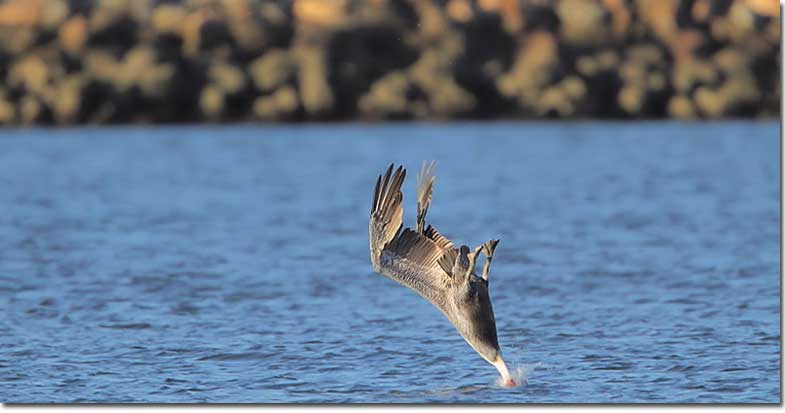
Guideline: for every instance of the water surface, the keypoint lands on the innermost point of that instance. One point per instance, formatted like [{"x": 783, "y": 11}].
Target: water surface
[{"x": 639, "y": 262}]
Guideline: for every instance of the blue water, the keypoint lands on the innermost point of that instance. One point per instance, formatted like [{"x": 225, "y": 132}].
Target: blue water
[{"x": 638, "y": 263}]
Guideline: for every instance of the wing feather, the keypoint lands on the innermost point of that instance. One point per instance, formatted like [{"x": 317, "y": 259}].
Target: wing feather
[
  {"x": 404, "y": 255},
  {"x": 387, "y": 213},
  {"x": 438, "y": 238},
  {"x": 415, "y": 248},
  {"x": 447, "y": 260},
  {"x": 425, "y": 180},
  {"x": 413, "y": 261}
]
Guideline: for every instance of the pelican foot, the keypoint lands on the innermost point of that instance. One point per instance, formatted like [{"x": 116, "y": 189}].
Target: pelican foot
[{"x": 489, "y": 247}]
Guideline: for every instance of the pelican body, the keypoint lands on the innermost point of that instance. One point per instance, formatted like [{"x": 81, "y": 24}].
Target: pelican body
[{"x": 427, "y": 262}]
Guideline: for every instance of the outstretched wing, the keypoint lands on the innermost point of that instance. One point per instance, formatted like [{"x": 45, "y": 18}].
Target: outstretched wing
[
  {"x": 425, "y": 181},
  {"x": 404, "y": 255}
]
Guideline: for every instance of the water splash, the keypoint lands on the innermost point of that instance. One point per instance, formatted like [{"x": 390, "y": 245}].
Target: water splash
[{"x": 520, "y": 375}]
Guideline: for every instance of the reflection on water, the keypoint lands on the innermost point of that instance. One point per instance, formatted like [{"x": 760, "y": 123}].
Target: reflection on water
[{"x": 639, "y": 262}]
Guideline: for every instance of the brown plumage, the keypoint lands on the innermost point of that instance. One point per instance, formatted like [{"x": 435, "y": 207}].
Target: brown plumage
[{"x": 428, "y": 262}]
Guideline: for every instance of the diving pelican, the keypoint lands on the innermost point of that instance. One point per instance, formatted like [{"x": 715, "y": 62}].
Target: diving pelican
[{"x": 428, "y": 263}]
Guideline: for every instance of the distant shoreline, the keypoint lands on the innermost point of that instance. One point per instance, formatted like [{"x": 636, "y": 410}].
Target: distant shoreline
[
  {"x": 253, "y": 124},
  {"x": 305, "y": 61}
]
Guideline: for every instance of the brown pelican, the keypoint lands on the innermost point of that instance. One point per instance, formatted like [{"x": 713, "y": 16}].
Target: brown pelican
[{"x": 428, "y": 263}]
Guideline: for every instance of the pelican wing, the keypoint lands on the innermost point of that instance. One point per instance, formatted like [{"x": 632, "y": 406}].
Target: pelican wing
[
  {"x": 386, "y": 211},
  {"x": 425, "y": 180},
  {"x": 408, "y": 257}
]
